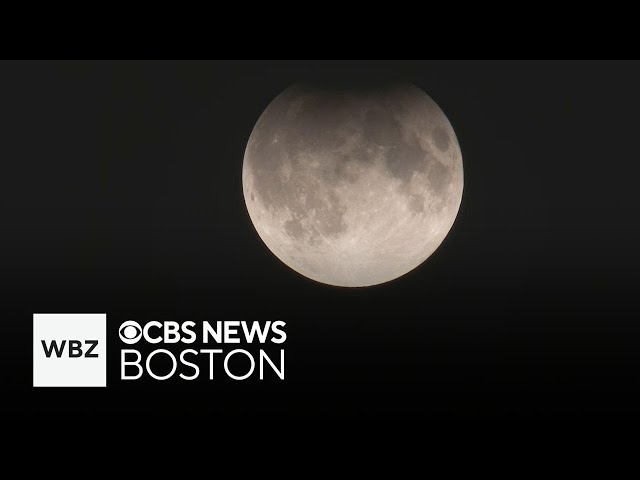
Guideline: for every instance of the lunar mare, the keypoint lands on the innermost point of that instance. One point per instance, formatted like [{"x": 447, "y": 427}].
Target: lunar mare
[{"x": 353, "y": 188}]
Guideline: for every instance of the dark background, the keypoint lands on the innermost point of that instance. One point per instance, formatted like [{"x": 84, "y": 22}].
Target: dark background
[{"x": 120, "y": 192}]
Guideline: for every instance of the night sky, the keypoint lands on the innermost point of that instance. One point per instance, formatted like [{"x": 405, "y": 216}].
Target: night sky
[{"x": 121, "y": 192}]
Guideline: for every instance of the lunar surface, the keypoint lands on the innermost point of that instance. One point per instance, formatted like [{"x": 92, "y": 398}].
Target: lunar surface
[{"x": 353, "y": 188}]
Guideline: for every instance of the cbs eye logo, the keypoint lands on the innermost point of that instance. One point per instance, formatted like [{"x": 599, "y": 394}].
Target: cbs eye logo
[{"x": 130, "y": 332}]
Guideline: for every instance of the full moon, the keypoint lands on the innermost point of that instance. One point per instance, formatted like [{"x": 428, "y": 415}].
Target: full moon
[{"x": 353, "y": 187}]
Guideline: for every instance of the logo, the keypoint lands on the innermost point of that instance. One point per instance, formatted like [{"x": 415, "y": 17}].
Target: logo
[
  {"x": 69, "y": 349},
  {"x": 187, "y": 351},
  {"x": 130, "y": 332}
]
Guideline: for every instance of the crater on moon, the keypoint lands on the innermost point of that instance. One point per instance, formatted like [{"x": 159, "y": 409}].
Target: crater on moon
[{"x": 353, "y": 188}]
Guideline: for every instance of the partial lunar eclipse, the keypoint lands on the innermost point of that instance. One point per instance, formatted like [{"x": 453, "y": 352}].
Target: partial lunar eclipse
[{"x": 353, "y": 188}]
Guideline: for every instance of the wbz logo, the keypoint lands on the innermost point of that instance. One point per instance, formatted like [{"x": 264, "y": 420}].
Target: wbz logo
[
  {"x": 75, "y": 348},
  {"x": 69, "y": 350}
]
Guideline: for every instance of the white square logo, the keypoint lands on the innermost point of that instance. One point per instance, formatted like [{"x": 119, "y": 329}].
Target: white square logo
[{"x": 69, "y": 349}]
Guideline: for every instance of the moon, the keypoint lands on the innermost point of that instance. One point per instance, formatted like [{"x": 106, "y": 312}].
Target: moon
[{"x": 354, "y": 187}]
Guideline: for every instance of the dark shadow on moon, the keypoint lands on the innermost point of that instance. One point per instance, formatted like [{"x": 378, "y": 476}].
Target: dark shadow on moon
[{"x": 301, "y": 126}]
